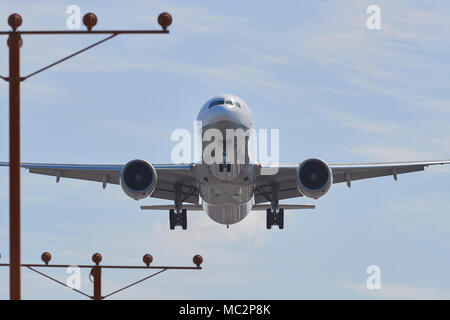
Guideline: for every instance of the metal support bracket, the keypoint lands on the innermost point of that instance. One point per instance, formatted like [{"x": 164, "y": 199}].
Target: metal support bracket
[
  {"x": 105, "y": 181},
  {"x": 275, "y": 197},
  {"x": 348, "y": 179},
  {"x": 178, "y": 202}
]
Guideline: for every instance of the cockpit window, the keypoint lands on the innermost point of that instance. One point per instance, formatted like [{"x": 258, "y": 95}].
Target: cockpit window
[{"x": 216, "y": 103}]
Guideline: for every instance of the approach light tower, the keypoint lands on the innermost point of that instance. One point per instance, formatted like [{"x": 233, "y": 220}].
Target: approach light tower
[{"x": 15, "y": 42}]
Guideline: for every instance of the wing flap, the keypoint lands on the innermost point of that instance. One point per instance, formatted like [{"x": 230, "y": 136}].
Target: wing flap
[
  {"x": 287, "y": 190},
  {"x": 166, "y": 191},
  {"x": 284, "y": 178}
]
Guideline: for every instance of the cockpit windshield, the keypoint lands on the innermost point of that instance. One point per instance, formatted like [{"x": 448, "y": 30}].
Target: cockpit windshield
[{"x": 218, "y": 102}]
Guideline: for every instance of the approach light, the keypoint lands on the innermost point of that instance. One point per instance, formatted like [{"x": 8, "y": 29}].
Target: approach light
[
  {"x": 46, "y": 257},
  {"x": 147, "y": 258},
  {"x": 90, "y": 20},
  {"x": 198, "y": 260},
  {"x": 165, "y": 20},
  {"x": 97, "y": 258}
]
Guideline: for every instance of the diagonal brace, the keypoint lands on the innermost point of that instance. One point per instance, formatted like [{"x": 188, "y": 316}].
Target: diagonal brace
[
  {"x": 68, "y": 57},
  {"x": 134, "y": 283},
  {"x": 57, "y": 281}
]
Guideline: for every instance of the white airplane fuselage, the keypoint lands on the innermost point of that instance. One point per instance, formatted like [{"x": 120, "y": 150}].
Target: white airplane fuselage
[{"x": 226, "y": 191}]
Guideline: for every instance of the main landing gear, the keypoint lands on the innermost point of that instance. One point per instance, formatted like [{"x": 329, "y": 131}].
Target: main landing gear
[
  {"x": 178, "y": 219},
  {"x": 275, "y": 218},
  {"x": 275, "y": 215},
  {"x": 178, "y": 216}
]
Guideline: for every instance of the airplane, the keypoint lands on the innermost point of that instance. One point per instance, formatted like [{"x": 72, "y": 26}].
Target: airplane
[{"x": 226, "y": 191}]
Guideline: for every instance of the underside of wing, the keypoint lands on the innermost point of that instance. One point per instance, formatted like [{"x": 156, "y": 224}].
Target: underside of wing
[
  {"x": 357, "y": 171},
  {"x": 100, "y": 173},
  {"x": 285, "y": 178},
  {"x": 169, "y": 177}
]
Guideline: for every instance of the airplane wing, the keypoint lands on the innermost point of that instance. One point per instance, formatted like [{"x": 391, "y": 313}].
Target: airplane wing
[
  {"x": 287, "y": 180},
  {"x": 171, "y": 174},
  {"x": 168, "y": 176}
]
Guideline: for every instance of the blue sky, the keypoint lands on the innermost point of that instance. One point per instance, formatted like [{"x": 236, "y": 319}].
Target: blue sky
[{"x": 335, "y": 89}]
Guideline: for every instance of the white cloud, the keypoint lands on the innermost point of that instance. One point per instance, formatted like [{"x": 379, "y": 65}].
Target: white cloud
[
  {"x": 206, "y": 233},
  {"x": 381, "y": 61},
  {"x": 398, "y": 291}
]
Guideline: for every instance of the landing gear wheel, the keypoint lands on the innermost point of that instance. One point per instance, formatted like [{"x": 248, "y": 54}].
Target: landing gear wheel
[
  {"x": 281, "y": 218},
  {"x": 269, "y": 219},
  {"x": 172, "y": 219},
  {"x": 178, "y": 219},
  {"x": 183, "y": 216},
  {"x": 275, "y": 218}
]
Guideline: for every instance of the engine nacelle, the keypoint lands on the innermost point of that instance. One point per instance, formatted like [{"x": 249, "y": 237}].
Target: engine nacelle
[
  {"x": 314, "y": 178},
  {"x": 138, "y": 179}
]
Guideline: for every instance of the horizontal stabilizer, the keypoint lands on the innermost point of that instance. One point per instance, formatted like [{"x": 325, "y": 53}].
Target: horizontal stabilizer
[
  {"x": 264, "y": 207},
  {"x": 189, "y": 207},
  {"x": 256, "y": 207}
]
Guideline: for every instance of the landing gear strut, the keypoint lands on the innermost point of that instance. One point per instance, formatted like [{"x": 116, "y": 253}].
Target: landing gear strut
[
  {"x": 177, "y": 216},
  {"x": 275, "y": 215}
]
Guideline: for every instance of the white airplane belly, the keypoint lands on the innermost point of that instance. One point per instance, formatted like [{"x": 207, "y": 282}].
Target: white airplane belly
[
  {"x": 227, "y": 201},
  {"x": 227, "y": 213}
]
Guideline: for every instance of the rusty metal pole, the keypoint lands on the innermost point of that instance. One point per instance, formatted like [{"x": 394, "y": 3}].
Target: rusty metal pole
[
  {"x": 14, "y": 43},
  {"x": 97, "y": 275},
  {"x": 14, "y": 79}
]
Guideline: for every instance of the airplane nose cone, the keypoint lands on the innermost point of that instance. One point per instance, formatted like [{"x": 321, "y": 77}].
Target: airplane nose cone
[{"x": 222, "y": 113}]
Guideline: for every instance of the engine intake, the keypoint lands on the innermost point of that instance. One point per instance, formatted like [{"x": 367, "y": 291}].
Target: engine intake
[
  {"x": 138, "y": 179},
  {"x": 314, "y": 178}
]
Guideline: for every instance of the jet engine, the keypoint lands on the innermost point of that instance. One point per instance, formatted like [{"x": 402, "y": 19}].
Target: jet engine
[
  {"x": 314, "y": 178},
  {"x": 138, "y": 179}
]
